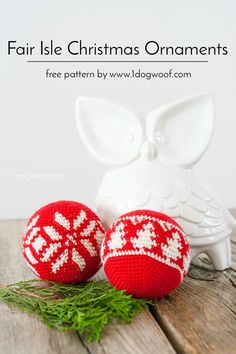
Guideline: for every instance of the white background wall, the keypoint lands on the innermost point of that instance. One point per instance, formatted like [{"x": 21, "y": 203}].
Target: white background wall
[{"x": 37, "y": 124}]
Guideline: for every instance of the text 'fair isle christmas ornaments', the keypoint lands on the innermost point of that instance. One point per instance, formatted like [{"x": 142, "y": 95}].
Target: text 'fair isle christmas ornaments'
[
  {"x": 62, "y": 242},
  {"x": 145, "y": 253}
]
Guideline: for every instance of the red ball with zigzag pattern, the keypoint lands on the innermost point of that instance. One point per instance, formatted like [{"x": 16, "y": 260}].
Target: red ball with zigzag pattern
[{"x": 62, "y": 242}]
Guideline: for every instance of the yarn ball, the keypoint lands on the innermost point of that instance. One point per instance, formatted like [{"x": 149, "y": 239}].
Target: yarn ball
[
  {"x": 145, "y": 253},
  {"x": 62, "y": 242}
]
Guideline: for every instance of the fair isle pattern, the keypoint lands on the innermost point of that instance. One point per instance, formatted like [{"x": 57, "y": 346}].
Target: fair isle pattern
[
  {"x": 89, "y": 246},
  {"x": 99, "y": 235},
  {"x": 38, "y": 243},
  {"x": 166, "y": 225},
  {"x": 32, "y": 224},
  {"x": 117, "y": 237},
  {"x": 145, "y": 237},
  {"x": 52, "y": 233},
  {"x": 151, "y": 234},
  {"x": 86, "y": 232},
  {"x": 49, "y": 251},
  {"x": 63, "y": 258},
  {"x": 144, "y": 240},
  {"x": 55, "y": 236},
  {"x": 29, "y": 256},
  {"x": 62, "y": 220},
  {"x": 78, "y": 259},
  {"x": 32, "y": 234},
  {"x": 79, "y": 220},
  {"x": 145, "y": 253},
  {"x": 153, "y": 257},
  {"x": 186, "y": 262},
  {"x": 63, "y": 238},
  {"x": 171, "y": 250}
]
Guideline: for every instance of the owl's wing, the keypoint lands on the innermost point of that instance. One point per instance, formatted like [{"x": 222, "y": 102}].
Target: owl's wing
[
  {"x": 202, "y": 218},
  {"x": 182, "y": 130},
  {"x": 110, "y": 132}
]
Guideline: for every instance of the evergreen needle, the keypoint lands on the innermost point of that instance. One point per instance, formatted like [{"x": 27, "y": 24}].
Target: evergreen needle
[{"x": 85, "y": 307}]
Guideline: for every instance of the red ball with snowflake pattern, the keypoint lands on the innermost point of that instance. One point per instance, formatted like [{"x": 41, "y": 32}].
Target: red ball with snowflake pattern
[
  {"x": 62, "y": 242},
  {"x": 145, "y": 253}
]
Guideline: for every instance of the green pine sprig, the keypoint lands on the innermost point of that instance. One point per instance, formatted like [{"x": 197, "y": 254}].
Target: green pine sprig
[{"x": 85, "y": 307}]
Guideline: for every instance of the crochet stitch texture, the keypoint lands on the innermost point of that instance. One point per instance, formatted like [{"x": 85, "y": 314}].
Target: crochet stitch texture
[
  {"x": 145, "y": 253},
  {"x": 62, "y": 242}
]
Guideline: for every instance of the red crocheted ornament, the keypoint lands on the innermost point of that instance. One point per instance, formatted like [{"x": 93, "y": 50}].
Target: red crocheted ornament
[
  {"x": 145, "y": 253},
  {"x": 62, "y": 242}
]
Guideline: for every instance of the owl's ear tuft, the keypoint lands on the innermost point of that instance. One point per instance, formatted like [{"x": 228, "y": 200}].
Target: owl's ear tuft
[
  {"x": 182, "y": 130},
  {"x": 110, "y": 132}
]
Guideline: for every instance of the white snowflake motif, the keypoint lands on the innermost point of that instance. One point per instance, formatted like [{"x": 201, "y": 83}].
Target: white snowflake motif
[
  {"x": 145, "y": 237},
  {"x": 56, "y": 237},
  {"x": 171, "y": 251},
  {"x": 117, "y": 240}
]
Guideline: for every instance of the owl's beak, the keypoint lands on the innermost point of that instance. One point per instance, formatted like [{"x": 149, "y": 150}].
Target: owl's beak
[{"x": 148, "y": 150}]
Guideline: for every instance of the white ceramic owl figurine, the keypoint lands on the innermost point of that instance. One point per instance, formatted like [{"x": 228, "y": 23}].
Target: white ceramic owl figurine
[{"x": 152, "y": 158}]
